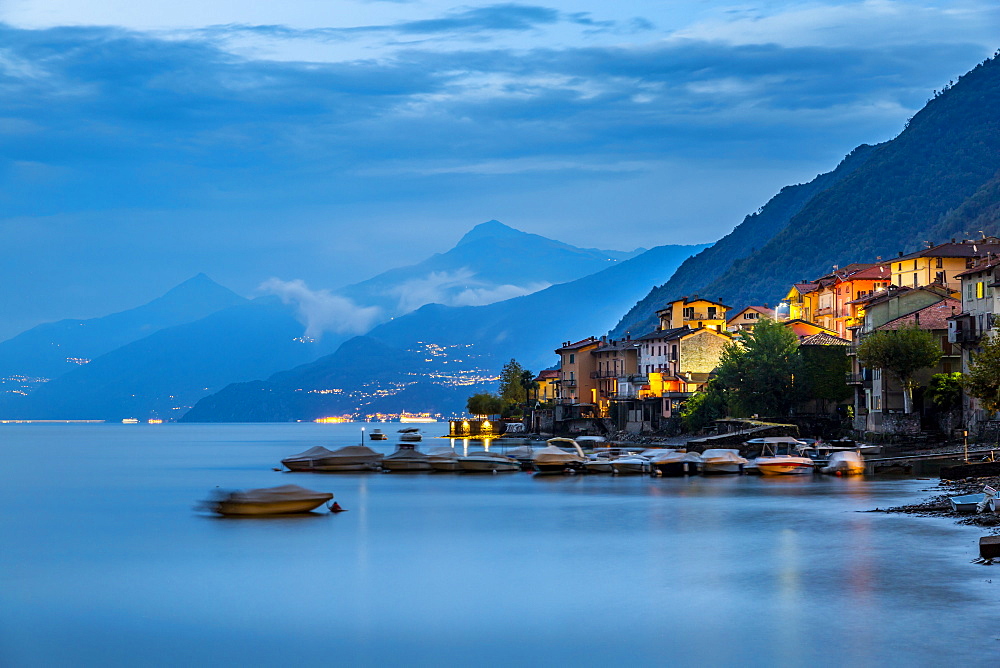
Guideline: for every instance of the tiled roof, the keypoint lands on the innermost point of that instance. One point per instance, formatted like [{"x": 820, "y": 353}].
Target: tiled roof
[
  {"x": 579, "y": 344},
  {"x": 824, "y": 339},
  {"x": 695, "y": 298},
  {"x": 806, "y": 288},
  {"x": 548, "y": 373},
  {"x": 958, "y": 249},
  {"x": 663, "y": 334},
  {"x": 934, "y": 316}
]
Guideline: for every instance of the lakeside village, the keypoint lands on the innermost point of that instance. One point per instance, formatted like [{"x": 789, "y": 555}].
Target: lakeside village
[{"x": 891, "y": 351}]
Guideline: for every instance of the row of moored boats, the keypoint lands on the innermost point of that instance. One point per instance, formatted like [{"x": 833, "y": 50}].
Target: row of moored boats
[{"x": 779, "y": 456}]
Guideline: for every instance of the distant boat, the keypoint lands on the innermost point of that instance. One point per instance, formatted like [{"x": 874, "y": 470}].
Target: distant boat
[
  {"x": 378, "y": 435},
  {"x": 130, "y": 421},
  {"x": 416, "y": 417},
  {"x": 410, "y": 435},
  {"x": 283, "y": 500}
]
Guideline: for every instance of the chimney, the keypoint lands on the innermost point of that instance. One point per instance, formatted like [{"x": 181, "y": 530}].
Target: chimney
[
  {"x": 900, "y": 253},
  {"x": 953, "y": 240},
  {"x": 916, "y": 319}
]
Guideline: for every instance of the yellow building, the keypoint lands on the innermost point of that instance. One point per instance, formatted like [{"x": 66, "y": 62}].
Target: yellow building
[
  {"x": 693, "y": 312},
  {"x": 799, "y": 300},
  {"x": 577, "y": 384},
  {"x": 546, "y": 385},
  {"x": 748, "y": 317},
  {"x": 943, "y": 263}
]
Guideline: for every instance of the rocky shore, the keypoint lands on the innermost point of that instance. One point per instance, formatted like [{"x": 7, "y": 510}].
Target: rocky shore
[{"x": 937, "y": 505}]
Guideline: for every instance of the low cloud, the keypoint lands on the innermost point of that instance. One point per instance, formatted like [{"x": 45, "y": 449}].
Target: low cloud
[
  {"x": 322, "y": 311},
  {"x": 456, "y": 288}
]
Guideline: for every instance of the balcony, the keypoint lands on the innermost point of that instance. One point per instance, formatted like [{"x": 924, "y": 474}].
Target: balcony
[
  {"x": 964, "y": 336},
  {"x": 855, "y": 378},
  {"x": 607, "y": 374}
]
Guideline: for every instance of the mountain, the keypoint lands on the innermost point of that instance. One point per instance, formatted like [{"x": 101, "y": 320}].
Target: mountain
[
  {"x": 52, "y": 349},
  {"x": 164, "y": 374},
  {"x": 754, "y": 232},
  {"x": 492, "y": 262},
  {"x": 939, "y": 178},
  {"x": 434, "y": 358},
  {"x": 363, "y": 375}
]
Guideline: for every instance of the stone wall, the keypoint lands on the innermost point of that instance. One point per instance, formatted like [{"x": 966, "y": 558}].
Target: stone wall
[
  {"x": 700, "y": 352},
  {"x": 901, "y": 423}
]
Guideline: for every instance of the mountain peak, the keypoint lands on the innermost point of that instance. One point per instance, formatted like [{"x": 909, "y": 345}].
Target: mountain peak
[{"x": 491, "y": 229}]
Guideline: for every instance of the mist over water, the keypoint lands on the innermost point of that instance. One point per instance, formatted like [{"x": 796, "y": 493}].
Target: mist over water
[{"x": 105, "y": 561}]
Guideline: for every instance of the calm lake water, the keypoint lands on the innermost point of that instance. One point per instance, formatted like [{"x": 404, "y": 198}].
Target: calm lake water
[{"x": 104, "y": 561}]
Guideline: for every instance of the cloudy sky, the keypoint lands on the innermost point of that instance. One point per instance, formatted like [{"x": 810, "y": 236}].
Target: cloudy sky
[{"x": 325, "y": 141}]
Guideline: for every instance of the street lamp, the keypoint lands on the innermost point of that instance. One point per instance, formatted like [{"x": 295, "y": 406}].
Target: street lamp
[{"x": 362, "y": 436}]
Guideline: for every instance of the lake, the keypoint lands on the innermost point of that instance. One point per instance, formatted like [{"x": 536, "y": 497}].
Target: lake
[{"x": 105, "y": 561}]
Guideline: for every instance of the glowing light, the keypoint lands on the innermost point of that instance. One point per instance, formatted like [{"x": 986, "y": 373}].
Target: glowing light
[{"x": 335, "y": 419}]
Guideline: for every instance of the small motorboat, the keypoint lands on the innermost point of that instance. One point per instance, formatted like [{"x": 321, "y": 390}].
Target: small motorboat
[
  {"x": 483, "y": 461},
  {"x": 673, "y": 463},
  {"x": 348, "y": 458},
  {"x": 410, "y": 435},
  {"x": 283, "y": 500},
  {"x": 844, "y": 462},
  {"x": 776, "y": 456},
  {"x": 525, "y": 456},
  {"x": 378, "y": 435},
  {"x": 554, "y": 459},
  {"x": 406, "y": 458},
  {"x": 599, "y": 462},
  {"x": 632, "y": 463},
  {"x": 967, "y": 503},
  {"x": 591, "y": 442},
  {"x": 722, "y": 461},
  {"x": 443, "y": 458}
]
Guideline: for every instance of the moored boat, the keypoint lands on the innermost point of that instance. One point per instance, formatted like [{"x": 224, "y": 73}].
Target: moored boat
[
  {"x": 348, "y": 458},
  {"x": 722, "y": 461},
  {"x": 779, "y": 456},
  {"x": 635, "y": 463},
  {"x": 672, "y": 463},
  {"x": 406, "y": 458},
  {"x": 378, "y": 435},
  {"x": 554, "y": 459},
  {"x": 967, "y": 503},
  {"x": 410, "y": 435},
  {"x": 525, "y": 456},
  {"x": 283, "y": 500},
  {"x": 844, "y": 462},
  {"x": 443, "y": 458},
  {"x": 483, "y": 461}
]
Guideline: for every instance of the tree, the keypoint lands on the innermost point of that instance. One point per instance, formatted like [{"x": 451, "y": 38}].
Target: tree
[
  {"x": 512, "y": 390},
  {"x": 528, "y": 383},
  {"x": 703, "y": 408},
  {"x": 901, "y": 352},
  {"x": 758, "y": 373},
  {"x": 822, "y": 374},
  {"x": 945, "y": 391},
  {"x": 983, "y": 378},
  {"x": 485, "y": 403}
]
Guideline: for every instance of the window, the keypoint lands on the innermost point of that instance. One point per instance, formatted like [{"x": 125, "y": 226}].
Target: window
[
  {"x": 711, "y": 313},
  {"x": 980, "y": 290},
  {"x": 968, "y": 291},
  {"x": 688, "y": 313},
  {"x": 914, "y": 280},
  {"x": 572, "y": 358},
  {"x": 939, "y": 263},
  {"x": 914, "y": 265}
]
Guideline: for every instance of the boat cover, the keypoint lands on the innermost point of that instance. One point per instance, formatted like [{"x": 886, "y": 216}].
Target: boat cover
[
  {"x": 552, "y": 453},
  {"x": 522, "y": 452},
  {"x": 487, "y": 453},
  {"x": 655, "y": 452},
  {"x": 673, "y": 456},
  {"x": 317, "y": 452},
  {"x": 846, "y": 457},
  {"x": 722, "y": 455},
  {"x": 442, "y": 451},
  {"x": 354, "y": 451},
  {"x": 407, "y": 453},
  {"x": 277, "y": 494}
]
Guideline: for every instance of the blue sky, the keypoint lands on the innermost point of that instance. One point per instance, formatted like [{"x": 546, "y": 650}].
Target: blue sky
[{"x": 143, "y": 142}]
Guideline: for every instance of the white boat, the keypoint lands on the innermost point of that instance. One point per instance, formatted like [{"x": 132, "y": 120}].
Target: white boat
[
  {"x": 722, "y": 460},
  {"x": 282, "y": 500},
  {"x": 483, "y": 461},
  {"x": 844, "y": 462},
  {"x": 416, "y": 417},
  {"x": 406, "y": 458},
  {"x": 554, "y": 459},
  {"x": 599, "y": 462},
  {"x": 633, "y": 463},
  {"x": 674, "y": 463},
  {"x": 776, "y": 456},
  {"x": 590, "y": 442},
  {"x": 443, "y": 458},
  {"x": 378, "y": 435},
  {"x": 410, "y": 435},
  {"x": 968, "y": 503},
  {"x": 349, "y": 458}
]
